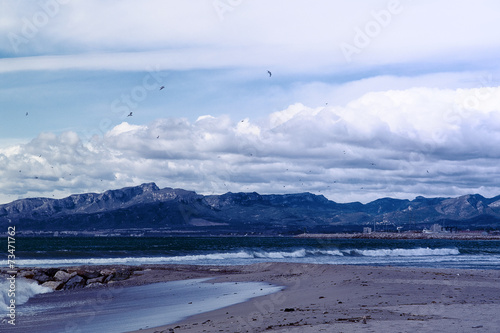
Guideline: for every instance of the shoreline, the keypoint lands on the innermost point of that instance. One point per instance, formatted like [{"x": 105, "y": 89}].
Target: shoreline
[
  {"x": 343, "y": 298},
  {"x": 372, "y": 235},
  {"x": 404, "y": 235}
]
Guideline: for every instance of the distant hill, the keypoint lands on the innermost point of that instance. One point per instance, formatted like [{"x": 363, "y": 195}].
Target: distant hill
[{"x": 174, "y": 211}]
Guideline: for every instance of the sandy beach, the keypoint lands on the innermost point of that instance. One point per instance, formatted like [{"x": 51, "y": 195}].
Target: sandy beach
[
  {"x": 323, "y": 298},
  {"x": 334, "y": 298}
]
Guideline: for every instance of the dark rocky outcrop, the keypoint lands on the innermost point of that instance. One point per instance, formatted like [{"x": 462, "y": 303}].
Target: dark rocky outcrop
[{"x": 69, "y": 278}]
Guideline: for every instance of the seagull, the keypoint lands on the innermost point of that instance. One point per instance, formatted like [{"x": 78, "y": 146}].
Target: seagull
[
  {"x": 26, "y": 113},
  {"x": 270, "y": 74},
  {"x": 130, "y": 114},
  {"x": 162, "y": 87}
]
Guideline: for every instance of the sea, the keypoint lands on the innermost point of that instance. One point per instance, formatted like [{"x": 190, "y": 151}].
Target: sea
[
  {"x": 431, "y": 253},
  {"x": 35, "y": 301}
]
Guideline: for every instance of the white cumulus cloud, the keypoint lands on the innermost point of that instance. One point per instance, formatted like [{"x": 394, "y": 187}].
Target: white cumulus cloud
[{"x": 399, "y": 143}]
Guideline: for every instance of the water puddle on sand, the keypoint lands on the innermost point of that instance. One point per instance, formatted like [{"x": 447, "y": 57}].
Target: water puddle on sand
[{"x": 131, "y": 308}]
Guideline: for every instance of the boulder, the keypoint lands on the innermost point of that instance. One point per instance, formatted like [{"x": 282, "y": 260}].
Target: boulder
[
  {"x": 90, "y": 274},
  {"x": 109, "y": 277},
  {"x": 41, "y": 277},
  {"x": 27, "y": 274},
  {"x": 63, "y": 276},
  {"x": 107, "y": 271},
  {"x": 94, "y": 285},
  {"x": 54, "y": 285},
  {"x": 75, "y": 282},
  {"x": 84, "y": 273},
  {"x": 121, "y": 275},
  {"x": 51, "y": 271},
  {"x": 99, "y": 279}
]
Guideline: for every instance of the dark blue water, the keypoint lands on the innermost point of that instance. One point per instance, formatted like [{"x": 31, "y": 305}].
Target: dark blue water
[{"x": 435, "y": 253}]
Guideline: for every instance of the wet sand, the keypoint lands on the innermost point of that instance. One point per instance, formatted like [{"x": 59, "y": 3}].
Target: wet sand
[
  {"x": 329, "y": 298},
  {"x": 335, "y": 298}
]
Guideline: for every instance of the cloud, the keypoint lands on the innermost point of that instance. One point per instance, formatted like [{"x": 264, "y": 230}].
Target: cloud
[
  {"x": 292, "y": 36},
  {"x": 399, "y": 143}
]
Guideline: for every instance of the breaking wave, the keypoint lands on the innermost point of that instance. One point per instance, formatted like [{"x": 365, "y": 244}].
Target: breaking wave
[
  {"x": 21, "y": 293},
  {"x": 407, "y": 252},
  {"x": 245, "y": 256}
]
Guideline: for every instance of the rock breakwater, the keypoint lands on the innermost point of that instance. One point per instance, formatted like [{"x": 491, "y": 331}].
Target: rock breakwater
[{"x": 74, "y": 278}]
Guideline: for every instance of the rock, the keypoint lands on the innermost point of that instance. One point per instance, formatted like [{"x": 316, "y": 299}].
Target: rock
[
  {"x": 75, "y": 282},
  {"x": 107, "y": 271},
  {"x": 51, "y": 271},
  {"x": 109, "y": 277},
  {"x": 41, "y": 277},
  {"x": 85, "y": 274},
  {"x": 90, "y": 274},
  {"x": 94, "y": 285},
  {"x": 121, "y": 275},
  {"x": 54, "y": 285},
  {"x": 99, "y": 279},
  {"x": 27, "y": 274},
  {"x": 63, "y": 276}
]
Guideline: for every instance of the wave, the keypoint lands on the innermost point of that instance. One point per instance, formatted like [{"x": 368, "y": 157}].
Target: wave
[
  {"x": 407, "y": 252},
  {"x": 24, "y": 290},
  {"x": 243, "y": 255}
]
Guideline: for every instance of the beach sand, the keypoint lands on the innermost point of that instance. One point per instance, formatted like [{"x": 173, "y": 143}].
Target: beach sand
[
  {"x": 335, "y": 298},
  {"x": 330, "y": 298}
]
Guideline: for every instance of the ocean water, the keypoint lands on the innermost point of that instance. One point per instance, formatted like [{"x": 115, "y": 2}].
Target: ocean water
[{"x": 433, "y": 253}]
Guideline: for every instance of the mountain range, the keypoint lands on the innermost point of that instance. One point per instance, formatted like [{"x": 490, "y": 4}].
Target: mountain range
[{"x": 147, "y": 208}]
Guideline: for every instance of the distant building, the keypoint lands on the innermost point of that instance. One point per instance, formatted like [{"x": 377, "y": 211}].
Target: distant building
[
  {"x": 435, "y": 229},
  {"x": 367, "y": 230}
]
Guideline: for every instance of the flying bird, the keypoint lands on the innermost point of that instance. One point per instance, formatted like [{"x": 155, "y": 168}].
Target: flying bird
[
  {"x": 26, "y": 113},
  {"x": 130, "y": 114},
  {"x": 270, "y": 74},
  {"x": 162, "y": 87}
]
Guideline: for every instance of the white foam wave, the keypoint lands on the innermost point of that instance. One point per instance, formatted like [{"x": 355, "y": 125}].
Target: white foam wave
[
  {"x": 22, "y": 292},
  {"x": 281, "y": 254},
  {"x": 328, "y": 252},
  {"x": 134, "y": 260},
  {"x": 407, "y": 252},
  {"x": 243, "y": 255}
]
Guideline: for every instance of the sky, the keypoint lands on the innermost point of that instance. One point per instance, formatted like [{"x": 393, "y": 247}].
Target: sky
[{"x": 364, "y": 100}]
